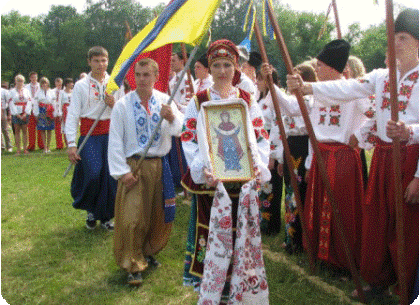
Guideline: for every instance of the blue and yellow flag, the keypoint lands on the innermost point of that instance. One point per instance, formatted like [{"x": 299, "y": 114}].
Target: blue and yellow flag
[
  {"x": 267, "y": 27},
  {"x": 249, "y": 20},
  {"x": 181, "y": 21}
]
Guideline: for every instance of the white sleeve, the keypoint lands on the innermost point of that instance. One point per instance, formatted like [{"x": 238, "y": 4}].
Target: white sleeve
[
  {"x": 308, "y": 160},
  {"x": 276, "y": 148},
  {"x": 12, "y": 106},
  {"x": 35, "y": 103},
  {"x": 175, "y": 127},
  {"x": 259, "y": 141},
  {"x": 366, "y": 131},
  {"x": 29, "y": 105},
  {"x": 190, "y": 143},
  {"x": 73, "y": 115},
  {"x": 414, "y": 134},
  {"x": 330, "y": 92},
  {"x": 116, "y": 158}
]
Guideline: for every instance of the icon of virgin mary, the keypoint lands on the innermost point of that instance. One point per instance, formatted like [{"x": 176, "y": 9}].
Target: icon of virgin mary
[{"x": 229, "y": 148}]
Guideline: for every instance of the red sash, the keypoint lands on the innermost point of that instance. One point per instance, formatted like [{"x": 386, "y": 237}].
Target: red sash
[{"x": 100, "y": 129}]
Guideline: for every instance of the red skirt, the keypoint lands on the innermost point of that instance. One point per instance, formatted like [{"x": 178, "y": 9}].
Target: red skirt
[
  {"x": 344, "y": 171},
  {"x": 379, "y": 241}
]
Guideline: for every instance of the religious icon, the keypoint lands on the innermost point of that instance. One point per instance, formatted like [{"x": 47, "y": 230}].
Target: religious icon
[{"x": 228, "y": 141}]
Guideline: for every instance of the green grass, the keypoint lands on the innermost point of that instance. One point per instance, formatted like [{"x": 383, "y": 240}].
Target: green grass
[{"x": 49, "y": 257}]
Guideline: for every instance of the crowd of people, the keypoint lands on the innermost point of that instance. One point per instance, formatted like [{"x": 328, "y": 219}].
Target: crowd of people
[
  {"x": 142, "y": 149},
  {"x": 33, "y": 111}
]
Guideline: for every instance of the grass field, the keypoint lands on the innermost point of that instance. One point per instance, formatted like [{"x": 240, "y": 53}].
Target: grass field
[{"x": 49, "y": 257}]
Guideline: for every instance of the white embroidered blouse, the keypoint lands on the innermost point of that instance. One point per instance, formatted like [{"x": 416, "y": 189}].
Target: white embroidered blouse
[
  {"x": 44, "y": 97},
  {"x": 19, "y": 100}
]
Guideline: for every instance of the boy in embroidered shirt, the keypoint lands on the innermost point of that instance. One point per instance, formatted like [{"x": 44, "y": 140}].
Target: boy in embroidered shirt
[
  {"x": 92, "y": 188},
  {"x": 142, "y": 223}
]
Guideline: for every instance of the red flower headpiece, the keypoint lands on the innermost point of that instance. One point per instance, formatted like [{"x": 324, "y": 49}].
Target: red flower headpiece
[{"x": 222, "y": 48}]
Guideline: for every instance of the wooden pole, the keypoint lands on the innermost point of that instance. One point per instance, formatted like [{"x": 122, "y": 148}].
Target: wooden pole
[
  {"x": 321, "y": 164},
  {"x": 190, "y": 85},
  {"x": 396, "y": 155},
  {"x": 185, "y": 57},
  {"x": 337, "y": 20},
  {"x": 289, "y": 161}
]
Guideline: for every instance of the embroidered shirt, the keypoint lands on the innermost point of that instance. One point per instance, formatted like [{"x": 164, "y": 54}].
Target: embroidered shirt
[
  {"x": 33, "y": 89},
  {"x": 203, "y": 84},
  {"x": 334, "y": 123},
  {"x": 183, "y": 95},
  {"x": 87, "y": 102},
  {"x": 44, "y": 97},
  {"x": 131, "y": 127},
  {"x": 19, "y": 101},
  {"x": 246, "y": 84},
  {"x": 377, "y": 83},
  {"x": 57, "y": 101},
  {"x": 65, "y": 99}
]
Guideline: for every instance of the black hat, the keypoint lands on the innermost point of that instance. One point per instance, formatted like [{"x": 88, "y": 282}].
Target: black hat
[
  {"x": 255, "y": 59},
  {"x": 335, "y": 54},
  {"x": 408, "y": 21},
  {"x": 203, "y": 60}
]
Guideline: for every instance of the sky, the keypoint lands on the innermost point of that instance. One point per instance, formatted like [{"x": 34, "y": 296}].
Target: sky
[{"x": 349, "y": 11}]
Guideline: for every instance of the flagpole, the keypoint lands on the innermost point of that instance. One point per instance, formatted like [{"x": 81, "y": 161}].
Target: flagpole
[
  {"x": 396, "y": 154},
  {"x": 86, "y": 138},
  {"x": 324, "y": 25},
  {"x": 337, "y": 20},
  {"x": 177, "y": 142},
  {"x": 318, "y": 157},
  {"x": 178, "y": 83},
  {"x": 312, "y": 259}
]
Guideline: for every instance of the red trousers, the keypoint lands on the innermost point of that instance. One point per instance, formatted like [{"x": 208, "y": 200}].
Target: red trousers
[
  {"x": 344, "y": 171},
  {"x": 379, "y": 261},
  {"x": 33, "y": 133},
  {"x": 58, "y": 134}
]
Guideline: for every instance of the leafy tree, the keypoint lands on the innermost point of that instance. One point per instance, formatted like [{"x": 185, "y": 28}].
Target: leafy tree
[
  {"x": 23, "y": 46},
  {"x": 71, "y": 59},
  {"x": 300, "y": 32},
  {"x": 372, "y": 47},
  {"x": 105, "y": 21},
  {"x": 58, "y": 35}
]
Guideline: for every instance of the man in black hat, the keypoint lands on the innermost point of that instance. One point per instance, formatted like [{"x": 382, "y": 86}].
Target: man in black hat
[
  {"x": 334, "y": 128},
  {"x": 379, "y": 260}
]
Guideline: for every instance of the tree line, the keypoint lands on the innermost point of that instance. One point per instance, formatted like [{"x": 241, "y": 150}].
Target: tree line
[{"x": 56, "y": 44}]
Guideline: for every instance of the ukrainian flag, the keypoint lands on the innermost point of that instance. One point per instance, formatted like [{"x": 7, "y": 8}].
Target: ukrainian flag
[
  {"x": 181, "y": 21},
  {"x": 249, "y": 20},
  {"x": 267, "y": 27}
]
